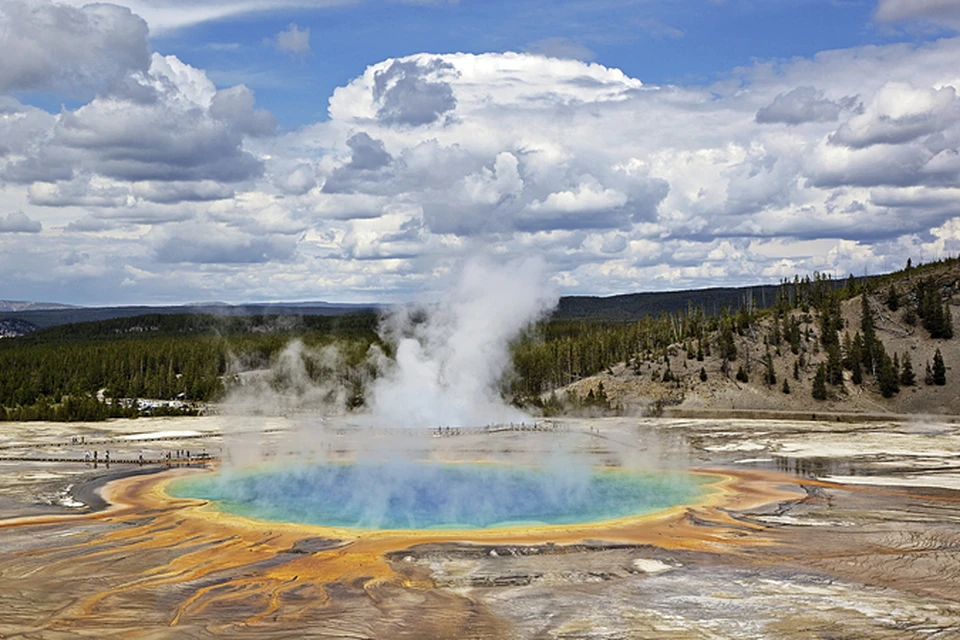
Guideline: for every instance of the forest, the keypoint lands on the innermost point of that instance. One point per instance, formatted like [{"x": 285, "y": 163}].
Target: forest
[{"x": 85, "y": 371}]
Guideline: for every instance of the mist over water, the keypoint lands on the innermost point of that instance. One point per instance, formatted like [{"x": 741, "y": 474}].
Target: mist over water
[
  {"x": 437, "y": 496},
  {"x": 388, "y": 467}
]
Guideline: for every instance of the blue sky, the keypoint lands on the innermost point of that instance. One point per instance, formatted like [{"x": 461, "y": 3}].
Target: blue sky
[
  {"x": 659, "y": 42},
  {"x": 163, "y": 151}
]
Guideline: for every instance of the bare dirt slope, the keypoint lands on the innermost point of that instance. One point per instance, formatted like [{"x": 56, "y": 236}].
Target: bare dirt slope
[{"x": 641, "y": 390}]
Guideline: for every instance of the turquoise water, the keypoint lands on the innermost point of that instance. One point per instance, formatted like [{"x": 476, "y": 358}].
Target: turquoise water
[{"x": 439, "y": 496}]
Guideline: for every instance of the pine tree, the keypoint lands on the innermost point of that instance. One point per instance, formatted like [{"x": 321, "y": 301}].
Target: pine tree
[
  {"x": 893, "y": 300},
  {"x": 742, "y": 374},
  {"x": 869, "y": 336},
  {"x": 770, "y": 374},
  {"x": 939, "y": 369},
  {"x": 887, "y": 376},
  {"x": 820, "y": 383},
  {"x": 907, "y": 377},
  {"x": 703, "y": 374},
  {"x": 786, "y": 387},
  {"x": 834, "y": 364}
]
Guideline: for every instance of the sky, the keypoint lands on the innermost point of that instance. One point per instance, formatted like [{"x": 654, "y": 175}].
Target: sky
[{"x": 166, "y": 151}]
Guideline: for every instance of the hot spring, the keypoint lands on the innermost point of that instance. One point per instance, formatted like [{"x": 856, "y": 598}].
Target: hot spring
[{"x": 461, "y": 496}]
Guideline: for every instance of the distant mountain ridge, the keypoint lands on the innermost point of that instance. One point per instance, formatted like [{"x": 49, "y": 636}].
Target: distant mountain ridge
[
  {"x": 26, "y": 305},
  {"x": 618, "y": 308},
  {"x": 51, "y": 317}
]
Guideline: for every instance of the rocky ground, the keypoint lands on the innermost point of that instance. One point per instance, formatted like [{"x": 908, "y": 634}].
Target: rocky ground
[{"x": 831, "y": 530}]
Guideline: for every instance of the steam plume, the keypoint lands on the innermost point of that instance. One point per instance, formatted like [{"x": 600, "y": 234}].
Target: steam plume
[{"x": 451, "y": 356}]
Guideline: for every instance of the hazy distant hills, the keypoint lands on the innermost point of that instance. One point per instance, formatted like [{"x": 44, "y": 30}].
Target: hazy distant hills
[
  {"x": 633, "y": 306},
  {"x": 25, "y": 305},
  {"x": 619, "y": 308},
  {"x": 51, "y": 317}
]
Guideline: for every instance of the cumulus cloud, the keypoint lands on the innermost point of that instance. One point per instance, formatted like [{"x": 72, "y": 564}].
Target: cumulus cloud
[
  {"x": 298, "y": 181},
  {"x": 191, "y": 243},
  {"x": 616, "y": 184},
  {"x": 178, "y": 129},
  {"x": 803, "y": 104},
  {"x": 293, "y": 40},
  {"x": 68, "y": 50},
  {"x": 19, "y": 222},
  {"x": 89, "y": 224},
  {"x": 413, "y": 92},
  {"x": 83, "y": 192},
  {"x": 173, "y": 192},
  {"x": 561, "y": 48},
  {"x": 900, "y": 113},
  {"x": 945, "y": 12}
]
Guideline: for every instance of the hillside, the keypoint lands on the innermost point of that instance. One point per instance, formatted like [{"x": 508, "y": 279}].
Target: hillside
[
  {"x": 619, "y": 308},
  {"x": 810, "y": 328},
  {"x": 633, "y": 306},
  {"x": 637, "y": 387},
  {"x": 64, "y": 315},
  {"x": 7, "y": 306}
]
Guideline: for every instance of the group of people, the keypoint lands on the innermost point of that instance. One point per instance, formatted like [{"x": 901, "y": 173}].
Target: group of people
[{"x": 95, "y": 456}]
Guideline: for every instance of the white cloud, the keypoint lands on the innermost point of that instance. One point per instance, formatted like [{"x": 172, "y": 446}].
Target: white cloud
[
  {"x": 293, "y": 40},
  {"x": 945, "y": 12},
  {"x": 19, "y": 222},
  {"x": 165, "y": 15},
  {"x": 561, "y": 48},
  {"x": 169, "y": 124},
  {"x": 845, "y": 161},
  {"x": 803, "y": 104},
  {"x": 900, "y": 113},
  {"x": 72, "y": 51},
  {"x": 218, "y": 244}
]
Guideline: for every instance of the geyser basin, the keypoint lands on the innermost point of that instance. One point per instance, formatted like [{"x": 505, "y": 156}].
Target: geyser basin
[{"x": 441, "y": 496}]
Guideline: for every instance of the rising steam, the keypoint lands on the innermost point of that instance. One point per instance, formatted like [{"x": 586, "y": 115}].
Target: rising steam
[{"x": 451, "y": 356}]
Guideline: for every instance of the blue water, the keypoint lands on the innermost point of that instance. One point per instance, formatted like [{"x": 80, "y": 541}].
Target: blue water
[{"x": 440, "y": 496}]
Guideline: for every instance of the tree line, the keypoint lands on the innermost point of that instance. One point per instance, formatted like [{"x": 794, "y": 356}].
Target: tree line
[{"x": 76, "y": 372}]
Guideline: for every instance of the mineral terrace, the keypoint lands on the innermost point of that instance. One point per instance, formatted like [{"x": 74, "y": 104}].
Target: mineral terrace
[{"x": 820, "y": 529}]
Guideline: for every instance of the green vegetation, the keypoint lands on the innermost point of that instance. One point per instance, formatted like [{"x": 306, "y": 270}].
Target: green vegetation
[
  {"x": 84, "y": 371},
  {"x": 58, "y": 373}
]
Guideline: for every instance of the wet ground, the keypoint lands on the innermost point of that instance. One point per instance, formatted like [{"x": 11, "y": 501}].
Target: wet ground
[{"x": 823, "y": 530}]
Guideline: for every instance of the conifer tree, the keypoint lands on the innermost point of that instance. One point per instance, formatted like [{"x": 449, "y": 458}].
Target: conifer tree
[
  {"x": 834, "y": 364},
  {"x": 893, "y": 300},
  {"x": 939, "y": 369},
  {"x": 770, "y": 374},
  {"x": 820, "y": 383},
  {"x": 907, "y": 377},
  {"x": 869, "y": 335},
  {"x": 887, "y": 375}
]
